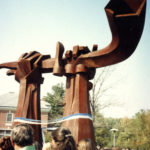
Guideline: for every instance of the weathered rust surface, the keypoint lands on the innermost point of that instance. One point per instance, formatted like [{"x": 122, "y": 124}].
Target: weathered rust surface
[
  {"x": 29, "y": 95},
  {"x": 126, "y": 20},
  {"x": 77, "y": 101},
  {"x": 28, "y": 74}
]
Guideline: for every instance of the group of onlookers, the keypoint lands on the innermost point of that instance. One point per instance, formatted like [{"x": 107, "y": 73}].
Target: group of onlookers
[
  {"x": 22, "y": 139},
  {"x": 62, "y": 139}
]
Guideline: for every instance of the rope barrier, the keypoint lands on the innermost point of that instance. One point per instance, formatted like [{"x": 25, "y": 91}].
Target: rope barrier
[{"x": 70, "y": 117}]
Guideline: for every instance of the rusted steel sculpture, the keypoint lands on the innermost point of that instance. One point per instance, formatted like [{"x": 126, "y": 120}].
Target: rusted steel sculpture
[
  {"x": 28, "y": 75},
  {"x": 126, "y": 20}
]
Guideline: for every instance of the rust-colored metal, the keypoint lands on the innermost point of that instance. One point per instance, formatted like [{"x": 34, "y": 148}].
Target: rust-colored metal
[
  {"x": 126, "y": 20},
  {"x": 29, "y": 95},
  {"x": 28, "y": 74}
]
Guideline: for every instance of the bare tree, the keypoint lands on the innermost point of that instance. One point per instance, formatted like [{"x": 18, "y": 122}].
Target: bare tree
[{"x": 100, "y": 89}]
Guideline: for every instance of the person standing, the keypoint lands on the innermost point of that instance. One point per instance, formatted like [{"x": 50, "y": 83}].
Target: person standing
[
  {"x": 62, "y": 139},
  {"x": 22, "y": 137}
]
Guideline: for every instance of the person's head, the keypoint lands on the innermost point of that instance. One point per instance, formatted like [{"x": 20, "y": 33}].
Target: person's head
[
  {"x": 5, "y": 143},
  {"x": 127, "y": 148},
  {"x": 86, "y": 144},
  {"x": 22, "y": 135},
  {"x": 62, "y": 139}
]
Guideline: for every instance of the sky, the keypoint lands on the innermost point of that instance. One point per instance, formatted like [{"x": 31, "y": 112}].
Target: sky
[{"x": 27, "y": 25}]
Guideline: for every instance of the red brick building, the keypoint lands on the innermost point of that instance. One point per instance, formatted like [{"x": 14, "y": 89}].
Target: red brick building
[{"x": 8, "y": 104}]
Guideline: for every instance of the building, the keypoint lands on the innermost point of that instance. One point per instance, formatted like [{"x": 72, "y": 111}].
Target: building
[{"x": 8, "y": 105}]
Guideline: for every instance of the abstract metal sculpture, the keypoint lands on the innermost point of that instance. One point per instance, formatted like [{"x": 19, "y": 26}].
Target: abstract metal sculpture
[{"x": 126, "y": 20}]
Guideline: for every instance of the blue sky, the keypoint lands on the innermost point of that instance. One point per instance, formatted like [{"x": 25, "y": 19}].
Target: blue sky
[{"x": 38, "y": 24}]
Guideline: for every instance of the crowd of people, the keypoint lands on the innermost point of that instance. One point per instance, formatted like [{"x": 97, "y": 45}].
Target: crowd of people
[{"x": 22, "y": 139}]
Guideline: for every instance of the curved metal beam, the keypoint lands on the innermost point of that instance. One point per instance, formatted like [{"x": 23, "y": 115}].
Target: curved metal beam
[{"x": 126, "y": 19}]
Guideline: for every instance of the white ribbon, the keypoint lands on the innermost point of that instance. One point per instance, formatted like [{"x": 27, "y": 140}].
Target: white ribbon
[{"x": 70, "y": 117}]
